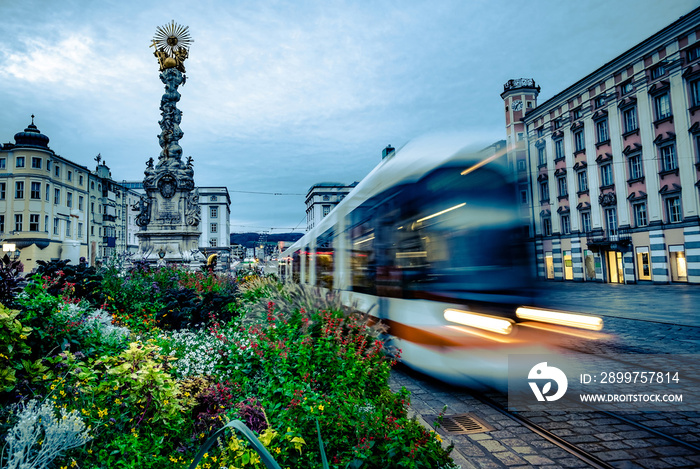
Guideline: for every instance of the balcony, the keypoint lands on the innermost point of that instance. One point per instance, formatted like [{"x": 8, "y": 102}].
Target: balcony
[{"x": 611, "y": 239}]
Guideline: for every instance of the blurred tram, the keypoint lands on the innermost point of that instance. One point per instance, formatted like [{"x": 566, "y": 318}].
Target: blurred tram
[{"x": 432, "y": 244}]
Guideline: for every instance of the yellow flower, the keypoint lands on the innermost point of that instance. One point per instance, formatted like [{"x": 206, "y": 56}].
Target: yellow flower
[
  {"x": 73, "y": 463},
  {"x": 320, "y": 407},
  {"x": 278, "y": 450}
]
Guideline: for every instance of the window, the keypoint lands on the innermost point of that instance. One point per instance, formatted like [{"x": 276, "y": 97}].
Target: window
[
  {"x": 212, "y": 242},
  {"x": 92, "y": 231},
  {"x": 693, "y": 53},
  {"x": 56, "y": 223},
  {"x": 561, "y": 183},
  {"x": 214, "y": 227},
  {"x": 606, "y": 176},
  {"x": 547, "y": 226},
  {"x": 662, "y": 106},
  {"x": 92, "y": 185},
  {"x": 600, "y": 101},
  {"x": 19, "y": 162},
  {"x": 540, "y": 132},
  {"x": 36, "y": 162},
  {"x": 678, "y": 263},
  {"x": 34, "y": 222},
  {"x": 92, "y": 207},
  {"x": 2, "y": 190},
  {"x": 35, "y": 190},
  {"x": 695, "y": 93},
  {"x": 629, "y": 118},
  {"x": 521, "y": 165},
  {"x": 635, "y": 165},
  {"x": 69, "y": 199},
  {"x": 544, "y": 191},
  {"x": 2, "y": 223},
  {"x": 559, "y": 148},
  {"x": 70, "y": 175},
  {"x": 586, "y": 222},
  {"x": 213, "y": 198},
  {"x": 640, "y": 214},
  {"x": 48, "y": 192},
  {"x": 213, "y": 212},
  {"x": 326, "y": 210},
  {"x": 80, "y": 179},
  {"x": 667, "y": 155},
  {"x": 582, "y": 178},
  {"x": 601, "y": 131},
  {"x": 673, "y": 209},
  {"x": 627, "y": 87},
  {"x": 521, "y": 135},
  {"x": 57, "y": 170},
  {"x": 658, "y": 72},
  {"x": 577, "y": 113},
  {"x": 18, "y": 222},
  {"x": 48, "y": 165},
  {"x": 523, "y": 197},
  {"x": 2, "y": 163},
  {"x": 643, "y": 263},
  {"x": 80, "y": 203},
  {"x": 19, "y": 190},
  {"x": 68, "y": 230},
  {"x": 80, "y": 230},
  {"x": 541, "y": 155},
  {"x": 565, "y": 224},
  {"x": 611, "y": 221},
  {"x": 46, "y": 223},
  {"x": 557, "y": 124},
  {"x": 56, "y": 196},
  {"x": 579, "y": 141}
]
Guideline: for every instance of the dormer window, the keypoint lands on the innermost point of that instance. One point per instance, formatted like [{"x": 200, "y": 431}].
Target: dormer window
[{"x": 658, "y": 72}]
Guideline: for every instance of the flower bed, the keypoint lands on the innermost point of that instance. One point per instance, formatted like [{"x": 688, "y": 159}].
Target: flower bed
[{"x": 155, "y": 360}]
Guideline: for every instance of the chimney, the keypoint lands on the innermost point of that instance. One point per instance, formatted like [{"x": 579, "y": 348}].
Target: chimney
[{"x": 387, "y": 151}]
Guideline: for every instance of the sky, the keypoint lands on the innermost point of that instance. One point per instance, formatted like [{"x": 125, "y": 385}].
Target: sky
[{"x": 281, "y": 95}]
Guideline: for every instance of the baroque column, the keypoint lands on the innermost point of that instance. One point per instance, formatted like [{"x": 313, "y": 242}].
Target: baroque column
[{"x": 169, "y": 213}]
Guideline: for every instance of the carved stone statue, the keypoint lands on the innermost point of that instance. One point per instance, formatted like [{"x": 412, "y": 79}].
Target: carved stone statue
[
  {"x": 143, "y": 207},
  {"x": 192, "y": 209}
]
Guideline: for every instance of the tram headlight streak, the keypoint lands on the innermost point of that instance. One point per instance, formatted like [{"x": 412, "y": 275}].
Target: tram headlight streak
[
  {"x": 580, "y": 321},
  {"x": 480, "y": 321}
]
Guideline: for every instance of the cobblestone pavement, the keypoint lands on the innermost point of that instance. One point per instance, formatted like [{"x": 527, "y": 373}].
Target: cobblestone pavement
[{"x": 658, "y": 319}]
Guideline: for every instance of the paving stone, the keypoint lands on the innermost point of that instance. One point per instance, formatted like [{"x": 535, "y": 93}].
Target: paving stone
[
  {"x": 677, "y": 461},
  {"x": 492, "y": 446},
  {"x": 480, "y": 436},
  {"x": 554, "y": 453},
  {"x": 576, "y": 439},
  {"x": 609, "y": 436},
  {"x": 615, "y": 455},
  {"x": 562, "y": 432},
  {"x": 639, "y": 443},
  {"x": 523, "y": 449},
  {"x": 592, "y": 447},
  {"x": 653, "y": 464},
  {"x": 673, "y": 451},
  {"x": 615, "y": 444},
  {"x": 625, "y": 465},
  {"x": 509, "y": 459},
  {"x": 471, "y": 451},
  {"x": 537, "y": 460},
  {"x": 486, "y": 463},
  {"x": 572, "y": 463}
]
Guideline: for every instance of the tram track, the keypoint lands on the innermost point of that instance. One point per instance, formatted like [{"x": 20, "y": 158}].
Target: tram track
[{"x": 571, "y": 448}]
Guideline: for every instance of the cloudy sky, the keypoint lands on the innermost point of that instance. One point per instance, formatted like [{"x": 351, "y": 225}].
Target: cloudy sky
[{"x": 282, "y": 95}]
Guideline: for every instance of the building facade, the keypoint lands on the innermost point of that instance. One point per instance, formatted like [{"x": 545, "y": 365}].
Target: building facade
[
  {"x": 43, "y": 201},
  {"x": 322, "y": 197},
  {"x": 609, "y": 167},
  {"x": 215, "y": 203}
]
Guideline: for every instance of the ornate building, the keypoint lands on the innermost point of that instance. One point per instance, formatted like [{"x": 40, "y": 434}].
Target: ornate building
[
  {"x": 215, "y": 204},
  {"x": 609, "y": 167},
  {"x": 322, "y": 197}
]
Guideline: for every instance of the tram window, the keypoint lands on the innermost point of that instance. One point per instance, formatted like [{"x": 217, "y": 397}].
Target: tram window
[
  {"x": 362, "y": 258},
  {"x": 296, "y": 266},
  {"x": 324, "y": 260},
  {"x": 307, "y": 264}
]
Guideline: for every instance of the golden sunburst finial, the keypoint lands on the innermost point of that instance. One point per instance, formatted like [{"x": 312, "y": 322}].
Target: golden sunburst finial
[
  {"x": 172, "y": 43},
  {"x": 171, "y": 37}
]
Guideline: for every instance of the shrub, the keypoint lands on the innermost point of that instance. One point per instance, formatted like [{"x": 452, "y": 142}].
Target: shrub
[
  {"x": 10, "y": 280},
  {"x": 13, "y": 343},
  {"x": 39, "y": 437}
]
